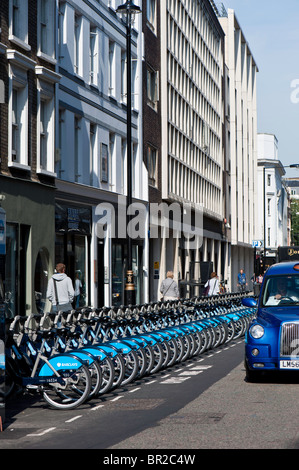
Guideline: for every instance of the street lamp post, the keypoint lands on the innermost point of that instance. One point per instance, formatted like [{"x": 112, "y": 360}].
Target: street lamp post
[
  {"x": 128, "y": 11},
  {"x": 294, "y": 165}
]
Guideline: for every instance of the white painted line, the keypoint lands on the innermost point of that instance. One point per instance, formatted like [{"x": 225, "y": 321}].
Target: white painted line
[
  {"x": 201, "y": 367},
  {"x": 117, "y": 398},
  {"x": 191, "y": 372},
  {"x": 152, "y": 382},
  {"x": 135, "y": 390},
  {"x": 96, "y": 407},
  {"x": 73, "y": 419},
  {"x": 41, "y": 433},
  {"x": 175, "y": 380}
]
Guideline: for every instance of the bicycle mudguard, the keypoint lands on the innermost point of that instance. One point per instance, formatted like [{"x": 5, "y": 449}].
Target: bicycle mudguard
[
  {"x": 60, "y": 362},
  {"x": 99, "y": 352},
  {"x": 120, "y": 346},
  {"x": 152, "y": 341}
]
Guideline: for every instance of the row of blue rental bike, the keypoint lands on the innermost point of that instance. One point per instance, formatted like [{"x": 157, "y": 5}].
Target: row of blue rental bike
[{"x": 71, "y": 357}]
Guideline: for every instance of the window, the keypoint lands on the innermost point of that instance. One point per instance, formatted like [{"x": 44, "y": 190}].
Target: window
[
  {"x": 18, "y": 23},
  {"x": 112, "y": 148},
  {"x": 77, "y": 147},
  {"x": 124, "y": 75},
  {"x": 93, "y": 56},
  {"x": 111, "y": 68},
  {"x": 46, "y": 31},
  {"x": 269, "y": 206},
  {"x": 151, "y": 10},
  {"x": 269, "y": 237},
  {"x": 60, "y": 31},
  {"x": 15, "y": 146},
  {"x": 77, "y": 31},
  {"x": 46, "y": 134},
  {"x": 19, "y": 124},
  {"x": 43, "y": 135},
  {"x": 92, "y": 151},
  {"x": 269, "y": 180},
  {"x": 19, "y": 64},
  {"x": 46, "y": 80},
  {"x": 152, "y": 165},
  {"x": 152, "y": 88},
  {"x": 58, "y": 163}
]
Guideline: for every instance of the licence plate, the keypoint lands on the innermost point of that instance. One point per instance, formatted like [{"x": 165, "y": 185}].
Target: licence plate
[{"x": 292, "y": 364}]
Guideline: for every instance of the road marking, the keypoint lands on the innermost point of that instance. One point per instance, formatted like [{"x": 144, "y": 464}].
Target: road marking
[
  {"x": 41, "y": 433},
  {"x": 201, "y": 367},
  {"x": 117, "y": 398},
  {"x": 191, "y": 372},
  {"x": 135, "y": 390},
  {"x": 152, "y": 382},
  {"x": 73, "y": 419},
  {"x": 175, "y": 380},
  {"x": 96, "y": 407}
]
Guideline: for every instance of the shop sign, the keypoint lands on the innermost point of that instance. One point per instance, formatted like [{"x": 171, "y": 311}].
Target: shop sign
[{"x": 72, "y": 219}]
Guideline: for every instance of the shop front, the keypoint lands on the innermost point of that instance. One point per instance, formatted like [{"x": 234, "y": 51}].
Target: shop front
[
  {"x": 72, "y": 247},
  {"x": 30, "y": 217}
]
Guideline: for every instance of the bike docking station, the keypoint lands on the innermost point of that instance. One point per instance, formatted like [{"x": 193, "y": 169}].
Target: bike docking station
[{"x": 2, "y": 314}]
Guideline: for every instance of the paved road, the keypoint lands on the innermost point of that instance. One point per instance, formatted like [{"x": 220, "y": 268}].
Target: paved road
[{"x": 201, "y": 404}]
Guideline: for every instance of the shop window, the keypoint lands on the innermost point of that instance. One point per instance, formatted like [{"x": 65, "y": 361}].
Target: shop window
[
  {"x": 41, "y": 278},
  {"x": 11, "y": 270}
]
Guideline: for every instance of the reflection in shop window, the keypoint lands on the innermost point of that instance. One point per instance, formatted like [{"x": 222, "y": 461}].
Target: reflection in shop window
[
  {"x": 11, "y": 270},
  {"x": 41, "y": 278}
]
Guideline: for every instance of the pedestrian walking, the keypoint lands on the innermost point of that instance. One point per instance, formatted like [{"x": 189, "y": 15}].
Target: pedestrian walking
[
  {"x": 169, "y": 288},
  {"x": 212, "y": 286},
  {"x": 242, "y": 282},
  {"x": 60, "y": 290}
]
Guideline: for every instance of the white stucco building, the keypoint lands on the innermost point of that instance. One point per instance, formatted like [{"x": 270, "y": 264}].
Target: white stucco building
[
  {"x": 273, "y": 197},
  {"x": 92, "y": 146}
]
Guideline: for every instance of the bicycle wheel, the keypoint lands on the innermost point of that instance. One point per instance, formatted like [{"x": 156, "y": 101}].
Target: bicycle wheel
[
  {"x": 107, "y": 367},
  {"x": 95, "y": 371},
  {"x": 158, "y": 358},
  {"x": 131, "y": 367},
  {"x": 74, "y": 390}
]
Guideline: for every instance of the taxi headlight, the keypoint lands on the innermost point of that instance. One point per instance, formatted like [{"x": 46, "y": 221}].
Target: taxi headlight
[{"x": 257, "y": 331}]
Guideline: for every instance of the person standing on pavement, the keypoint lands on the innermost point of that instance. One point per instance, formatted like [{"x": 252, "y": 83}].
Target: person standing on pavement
[
  {"x": 60, "y": 290},
  {"x": 169, "y": 288},
  {"x": 242, "y": 282},
  {"x": 213, "y": 284}
]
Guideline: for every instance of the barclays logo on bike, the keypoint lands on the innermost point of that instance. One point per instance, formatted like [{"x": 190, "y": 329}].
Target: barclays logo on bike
[{"x": 67, "y": 364}]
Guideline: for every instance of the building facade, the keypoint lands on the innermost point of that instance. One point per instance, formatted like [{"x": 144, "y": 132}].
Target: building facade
[
  {"x": 27, "y": 139},
  {"x": 241, "y": 136},
  {"x": 64, "y": 148},
  {"x": 92, "y": 150},
  {"x": 191, "y": 154},
  {"x": 274, "y": 198}
]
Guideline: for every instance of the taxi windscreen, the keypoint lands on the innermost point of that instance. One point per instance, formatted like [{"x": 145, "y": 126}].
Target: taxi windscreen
[{"x": 281, "y": 290}]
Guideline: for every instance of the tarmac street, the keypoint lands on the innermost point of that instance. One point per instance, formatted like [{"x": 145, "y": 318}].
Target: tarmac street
[{"x": 204, "y": 403}]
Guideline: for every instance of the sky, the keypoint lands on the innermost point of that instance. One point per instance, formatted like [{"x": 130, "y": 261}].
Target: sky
[{"x": 271, "y": 28}]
